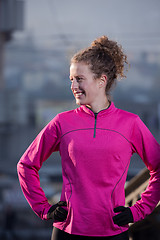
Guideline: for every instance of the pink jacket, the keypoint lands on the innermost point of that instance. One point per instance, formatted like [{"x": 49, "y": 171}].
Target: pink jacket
[{"x": 95, "y": 151}]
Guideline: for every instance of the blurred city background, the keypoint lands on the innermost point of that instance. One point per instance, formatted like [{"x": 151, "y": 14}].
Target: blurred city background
[{"x": 37, "y": 39}]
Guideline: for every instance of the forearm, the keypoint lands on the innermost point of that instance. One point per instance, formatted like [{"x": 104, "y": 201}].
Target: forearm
[
  {"x": 149, "y": 199},
  {"x": 30, "y": 185}
]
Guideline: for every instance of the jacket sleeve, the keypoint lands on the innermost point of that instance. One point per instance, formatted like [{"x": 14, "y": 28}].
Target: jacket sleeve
[
  {"x": 145, "y": 145},
  {"x": 30, "y": 163}
]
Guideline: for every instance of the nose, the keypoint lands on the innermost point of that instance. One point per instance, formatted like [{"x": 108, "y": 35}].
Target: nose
[{"x": 74, "y": 85}]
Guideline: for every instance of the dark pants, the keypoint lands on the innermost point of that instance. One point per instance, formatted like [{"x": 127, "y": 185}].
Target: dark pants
[{"x": 61, "y": 235}]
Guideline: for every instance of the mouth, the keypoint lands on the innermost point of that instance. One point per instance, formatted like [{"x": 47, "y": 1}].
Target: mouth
[{"x": 78, "y": 94}]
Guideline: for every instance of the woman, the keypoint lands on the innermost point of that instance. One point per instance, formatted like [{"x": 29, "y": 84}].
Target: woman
[{"x": 96, "y": 142}]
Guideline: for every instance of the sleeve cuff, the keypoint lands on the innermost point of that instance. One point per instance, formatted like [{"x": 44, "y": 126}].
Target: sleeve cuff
[
  {"x": 136, "y": 216},
  {"x": 45, "y": 213}
]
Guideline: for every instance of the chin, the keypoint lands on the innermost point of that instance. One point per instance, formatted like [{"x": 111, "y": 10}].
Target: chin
[{"x": 79, "y": 102}]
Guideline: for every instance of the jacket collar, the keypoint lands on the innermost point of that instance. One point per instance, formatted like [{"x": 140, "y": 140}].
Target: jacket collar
[{"x": 105, "y": 111}]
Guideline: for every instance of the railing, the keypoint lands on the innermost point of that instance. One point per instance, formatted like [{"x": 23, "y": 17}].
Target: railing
[{"x": 136, "y": 186}]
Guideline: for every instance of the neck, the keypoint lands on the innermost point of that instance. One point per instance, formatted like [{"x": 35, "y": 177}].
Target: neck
[{"x": 98, "y": 107}]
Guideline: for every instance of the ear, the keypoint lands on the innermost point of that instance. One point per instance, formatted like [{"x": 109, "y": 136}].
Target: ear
[{"x": 103, "y": 80}]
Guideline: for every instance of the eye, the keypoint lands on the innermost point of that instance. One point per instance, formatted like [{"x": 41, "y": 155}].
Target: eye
[{"x": 79, "y": 79}]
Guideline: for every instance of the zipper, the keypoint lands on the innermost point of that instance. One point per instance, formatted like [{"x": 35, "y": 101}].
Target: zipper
[{"x": 95, "y": 123}]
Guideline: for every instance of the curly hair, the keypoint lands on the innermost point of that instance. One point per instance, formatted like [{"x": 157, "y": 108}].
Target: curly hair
[{"x": 104, "y": 56}]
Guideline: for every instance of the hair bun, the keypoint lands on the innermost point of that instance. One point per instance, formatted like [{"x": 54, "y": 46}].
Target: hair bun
[
  {"x": 114, "y": 51},
  {"x": 101, "y": 42}
]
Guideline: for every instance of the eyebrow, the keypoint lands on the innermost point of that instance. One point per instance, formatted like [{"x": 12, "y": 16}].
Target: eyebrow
[{"x": 77, "y": 76}]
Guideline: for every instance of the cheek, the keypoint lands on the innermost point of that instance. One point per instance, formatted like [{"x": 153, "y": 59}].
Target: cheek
[{"x": 92, "y": 90}]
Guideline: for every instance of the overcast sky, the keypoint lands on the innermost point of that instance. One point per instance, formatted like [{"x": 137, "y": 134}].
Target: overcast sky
[{"x": 135, "y": 23}]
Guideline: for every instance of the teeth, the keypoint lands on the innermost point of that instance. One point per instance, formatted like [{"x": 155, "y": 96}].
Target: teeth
[{"x": 79, "y": 94}]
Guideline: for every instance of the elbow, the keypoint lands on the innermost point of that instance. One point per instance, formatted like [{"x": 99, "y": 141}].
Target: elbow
[{"x": 20, "y": 167}]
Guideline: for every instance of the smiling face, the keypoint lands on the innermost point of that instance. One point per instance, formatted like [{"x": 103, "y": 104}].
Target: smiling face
[{"x": 86, "y": 89}]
